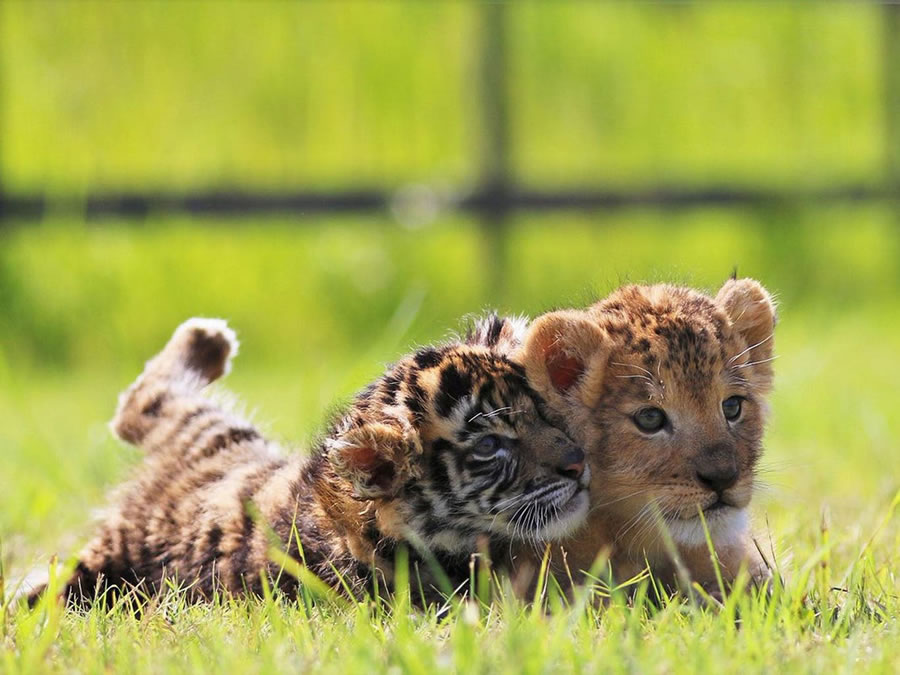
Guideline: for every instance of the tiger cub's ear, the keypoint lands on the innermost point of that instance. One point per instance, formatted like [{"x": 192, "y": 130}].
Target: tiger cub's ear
[
  {"x": 564, "y": 355},
  {"x": 376, "y": 458}
]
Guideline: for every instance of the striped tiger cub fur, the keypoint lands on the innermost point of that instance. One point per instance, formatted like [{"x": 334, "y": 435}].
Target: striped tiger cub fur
[{"x": 449, "y": 448}]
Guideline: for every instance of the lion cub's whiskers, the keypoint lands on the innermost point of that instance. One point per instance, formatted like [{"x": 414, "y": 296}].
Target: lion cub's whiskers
[
  {"x": 761, "y": 342},
  {"x": 754, "y": 363}
]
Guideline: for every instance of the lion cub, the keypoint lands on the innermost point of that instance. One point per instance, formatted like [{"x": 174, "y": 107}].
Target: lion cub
[{"x": 665, "y": 388}]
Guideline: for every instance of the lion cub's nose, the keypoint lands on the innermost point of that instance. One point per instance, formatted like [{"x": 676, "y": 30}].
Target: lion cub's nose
[
  {"x": 718, "y": 477},
  {"x": 572, "y": 464},
  {"x": 717, "y": 467}
]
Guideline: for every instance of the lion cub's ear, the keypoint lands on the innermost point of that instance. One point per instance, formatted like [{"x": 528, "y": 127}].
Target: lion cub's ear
[
  {"x": 752, "y": 313},
  {"x": 376, "y": 458},
  {"x": 564, "y": 354}
]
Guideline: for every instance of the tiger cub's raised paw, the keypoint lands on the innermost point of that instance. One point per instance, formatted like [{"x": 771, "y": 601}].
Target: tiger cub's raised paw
[
  {"x": 199, "y": 352},
  {"x": 204, "y": 347}
]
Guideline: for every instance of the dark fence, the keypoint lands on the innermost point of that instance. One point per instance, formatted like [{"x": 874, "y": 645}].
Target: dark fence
[{"x": 497, "y": 195}]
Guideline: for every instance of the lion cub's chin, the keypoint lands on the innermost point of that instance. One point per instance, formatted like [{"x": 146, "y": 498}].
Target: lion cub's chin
[{"x": 726, "y": 526}]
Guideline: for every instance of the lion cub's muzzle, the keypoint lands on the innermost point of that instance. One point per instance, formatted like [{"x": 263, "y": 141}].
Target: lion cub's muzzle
[{"x": 717, "y": 468}]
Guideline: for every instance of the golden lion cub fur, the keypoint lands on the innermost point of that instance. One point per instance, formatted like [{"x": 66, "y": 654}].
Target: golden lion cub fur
[{"x": 665, "y": 388}]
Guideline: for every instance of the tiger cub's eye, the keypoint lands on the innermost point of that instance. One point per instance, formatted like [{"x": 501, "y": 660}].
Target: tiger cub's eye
[
  {"x": 650, "y": 419},
  {"x": 488, "y": 445},
  {"x": 731, "y": 407}
]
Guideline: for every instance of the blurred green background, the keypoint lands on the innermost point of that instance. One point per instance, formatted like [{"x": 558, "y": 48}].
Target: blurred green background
[{"x": 271, "y": 96}]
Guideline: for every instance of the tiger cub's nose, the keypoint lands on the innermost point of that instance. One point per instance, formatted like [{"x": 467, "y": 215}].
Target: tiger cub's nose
[{"x": 572, "y": 464}]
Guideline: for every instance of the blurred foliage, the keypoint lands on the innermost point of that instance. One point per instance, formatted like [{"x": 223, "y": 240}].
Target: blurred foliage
[
  {"x": 75, "y": 294},
  {"x": 258, "y": 93},
  {"x": 275, "y": 94}
]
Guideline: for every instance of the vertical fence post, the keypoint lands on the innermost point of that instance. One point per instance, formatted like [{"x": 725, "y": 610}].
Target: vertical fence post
[
  {"x": 891, "y": 73},
  {"x": 495, "y": 142},
  {"x": 2, "y": 112}
]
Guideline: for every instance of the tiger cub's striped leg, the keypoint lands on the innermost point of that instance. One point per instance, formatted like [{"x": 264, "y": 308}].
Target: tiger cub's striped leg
[{"x": 163, "y": 410}]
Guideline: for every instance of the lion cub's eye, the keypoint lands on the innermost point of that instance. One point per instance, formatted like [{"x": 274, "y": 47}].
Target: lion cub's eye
[
  {"x": 731, "y": 407},
  {"x": 650, "y": 419}
]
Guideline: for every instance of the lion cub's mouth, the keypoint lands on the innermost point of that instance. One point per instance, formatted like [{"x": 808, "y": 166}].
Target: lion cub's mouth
[{"x": 718, "y": 505}]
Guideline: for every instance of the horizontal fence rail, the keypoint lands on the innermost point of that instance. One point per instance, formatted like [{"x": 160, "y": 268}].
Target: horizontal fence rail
[{"x": 422, "y": 204}]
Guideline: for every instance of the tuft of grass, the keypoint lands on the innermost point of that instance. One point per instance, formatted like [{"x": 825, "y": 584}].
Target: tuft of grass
[{"x": 799, "y": 625}]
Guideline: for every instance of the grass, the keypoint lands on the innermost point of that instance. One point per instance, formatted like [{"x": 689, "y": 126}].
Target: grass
[
  {"x": 794, "y": 631},
  {"x": 319, "y": 308}
]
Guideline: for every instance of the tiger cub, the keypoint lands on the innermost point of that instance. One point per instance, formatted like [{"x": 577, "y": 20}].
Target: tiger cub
[{"x": 448, "y": 449}]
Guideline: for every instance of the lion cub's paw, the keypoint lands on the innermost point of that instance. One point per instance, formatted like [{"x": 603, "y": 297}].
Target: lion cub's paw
[{"x": 203, "y": 346}]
